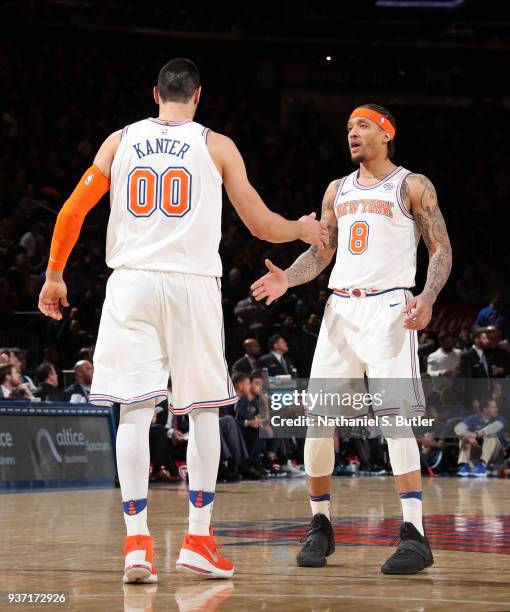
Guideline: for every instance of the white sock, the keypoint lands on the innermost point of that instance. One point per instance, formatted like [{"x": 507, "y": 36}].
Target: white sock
[
  {"x": 203, "y": 458},
  {"x": 412, "y": 509},
  {"x": 133, "y": 459},
  {"x": 320, "y": 504}
]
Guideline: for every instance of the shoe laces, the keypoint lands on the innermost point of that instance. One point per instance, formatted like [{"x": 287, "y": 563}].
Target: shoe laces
[
  {"x": 312, "y": 529},
  {"x": 403, "y": 535}
]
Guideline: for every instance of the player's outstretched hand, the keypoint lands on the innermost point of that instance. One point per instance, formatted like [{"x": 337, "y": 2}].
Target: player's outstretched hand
[
  {"x": 418, "y": 313},
  {"x": 272, "y": 285},
  {"x": 52, "y": 296},
  {"x": 313, "y": 232}
]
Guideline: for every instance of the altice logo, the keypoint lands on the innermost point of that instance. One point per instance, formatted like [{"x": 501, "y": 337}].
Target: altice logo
[
  {"x": 5, "y": 439},
  {"x": 68, "y": 437}
]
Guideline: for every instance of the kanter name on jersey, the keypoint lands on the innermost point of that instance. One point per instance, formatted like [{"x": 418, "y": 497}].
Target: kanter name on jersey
[{"x": 167, "y": 146}]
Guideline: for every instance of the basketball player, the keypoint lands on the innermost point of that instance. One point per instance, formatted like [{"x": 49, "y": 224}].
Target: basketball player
[
  {"x": 375, "y": 217},
  {"x": 162, "y": 312}
]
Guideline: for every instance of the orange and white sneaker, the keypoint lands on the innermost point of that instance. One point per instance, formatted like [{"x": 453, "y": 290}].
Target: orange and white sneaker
[
  {"x": 199, "y": 555},
  {"x": 139, "y": 552}
]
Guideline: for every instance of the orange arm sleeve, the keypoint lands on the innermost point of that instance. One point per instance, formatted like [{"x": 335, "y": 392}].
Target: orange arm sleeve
[{"x": 91, "y": 188}]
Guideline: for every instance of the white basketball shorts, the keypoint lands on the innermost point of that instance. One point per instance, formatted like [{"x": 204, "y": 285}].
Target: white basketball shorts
[
  {"x": 365, "y": 336},
  {"x": 156, "y": 324}
]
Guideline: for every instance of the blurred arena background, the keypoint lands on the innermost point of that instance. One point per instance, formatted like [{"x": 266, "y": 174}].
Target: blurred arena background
[
  {"x": 72, "y": 72},
  {"x": 280, "y": 78}
]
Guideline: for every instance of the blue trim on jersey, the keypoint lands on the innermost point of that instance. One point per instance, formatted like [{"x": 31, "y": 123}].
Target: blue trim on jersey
[
  {"x": 205, "y": 134},
  {"x": 378, "y": 184},
  {"x": 169, "y": 123},
  {"x": 400, "y": 203}
]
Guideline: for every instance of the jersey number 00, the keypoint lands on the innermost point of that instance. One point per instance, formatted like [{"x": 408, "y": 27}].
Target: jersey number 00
[{"x": 169, "y": 191}]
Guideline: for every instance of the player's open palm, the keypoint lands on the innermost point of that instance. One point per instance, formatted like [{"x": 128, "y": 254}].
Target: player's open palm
[
  {"x": 52, "y": 296},
  {"x": 313, "y": 231},
  {"x": 272, "y": 285}
]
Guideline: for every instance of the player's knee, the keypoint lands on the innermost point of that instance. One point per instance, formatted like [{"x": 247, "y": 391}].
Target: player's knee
[
  {"x": 204, "y": 415},
  {"x": 319, "y": 456},
  {"x": 404, "y": 455},
  {"x": 132, "y": 413}
]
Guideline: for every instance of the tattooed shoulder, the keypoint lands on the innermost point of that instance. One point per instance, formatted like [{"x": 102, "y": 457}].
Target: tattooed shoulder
[{"x": 422, "y": 188}]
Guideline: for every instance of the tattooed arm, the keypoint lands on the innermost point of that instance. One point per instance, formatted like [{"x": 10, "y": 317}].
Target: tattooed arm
[
  {"x": 419, "y": 196},
  {"x": 308, "y": 265},
  {"x": 312, "y": 262}
]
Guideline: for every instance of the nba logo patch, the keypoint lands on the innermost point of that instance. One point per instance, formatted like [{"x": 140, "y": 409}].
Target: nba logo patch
[
  {"x": 89, "y": 178},
  {"x": 388, "y": 186}
]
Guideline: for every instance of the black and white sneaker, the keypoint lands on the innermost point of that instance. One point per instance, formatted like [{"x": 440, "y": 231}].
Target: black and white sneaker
[
  {"x": 318, "y": 544},
  {"x": 412, "y": 555}
]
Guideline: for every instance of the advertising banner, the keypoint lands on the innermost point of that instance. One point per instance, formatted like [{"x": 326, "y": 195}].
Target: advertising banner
[{"x": 52, "y": 446}]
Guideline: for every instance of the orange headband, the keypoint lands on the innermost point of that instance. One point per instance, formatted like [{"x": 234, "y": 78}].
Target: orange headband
[{"x": 383, "y": 122}]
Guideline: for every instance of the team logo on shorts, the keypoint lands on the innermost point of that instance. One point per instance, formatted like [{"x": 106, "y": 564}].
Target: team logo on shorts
[
  {"x": 89, "y": 178},
  {"x": 388, "y": 186}
]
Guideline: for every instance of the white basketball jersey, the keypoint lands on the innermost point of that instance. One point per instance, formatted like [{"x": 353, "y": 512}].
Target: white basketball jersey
[
  {"x": 165, "y": 199},
  {"x": 377, "y": 235}
]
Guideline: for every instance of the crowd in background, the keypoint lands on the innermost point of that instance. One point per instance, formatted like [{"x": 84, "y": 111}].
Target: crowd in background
[{"x": 50, "y": 132}]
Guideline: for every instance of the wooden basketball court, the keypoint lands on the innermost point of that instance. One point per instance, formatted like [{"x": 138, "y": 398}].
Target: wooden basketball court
[{"x": 71, "y": 541}]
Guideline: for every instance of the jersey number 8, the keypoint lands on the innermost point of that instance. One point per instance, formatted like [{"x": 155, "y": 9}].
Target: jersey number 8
[
  {"x": 169, "y": 191},
  {"x": 358, "y": 239}
]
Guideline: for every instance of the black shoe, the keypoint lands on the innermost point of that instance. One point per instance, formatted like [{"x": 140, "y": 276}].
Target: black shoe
[
  {"x": 319, "y": 543},
  {"x": 250, "y": 473},
  {"x": 412, "y": 555}
]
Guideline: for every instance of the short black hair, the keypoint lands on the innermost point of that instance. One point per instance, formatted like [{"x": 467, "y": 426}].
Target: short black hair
[
  {"x": 386, "y": 113},
  {"x": 478, "y": 332},
  {"x": 178, "y": 80},
  {"x": 485, "y": 401},
  {"x": 43, "y": 371},
  {"x": 256, "y": 374},
  {"x": 445, "y": 334},
  {"x": 239, "y": 377},
  {"x": 273, "y": 340}
]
